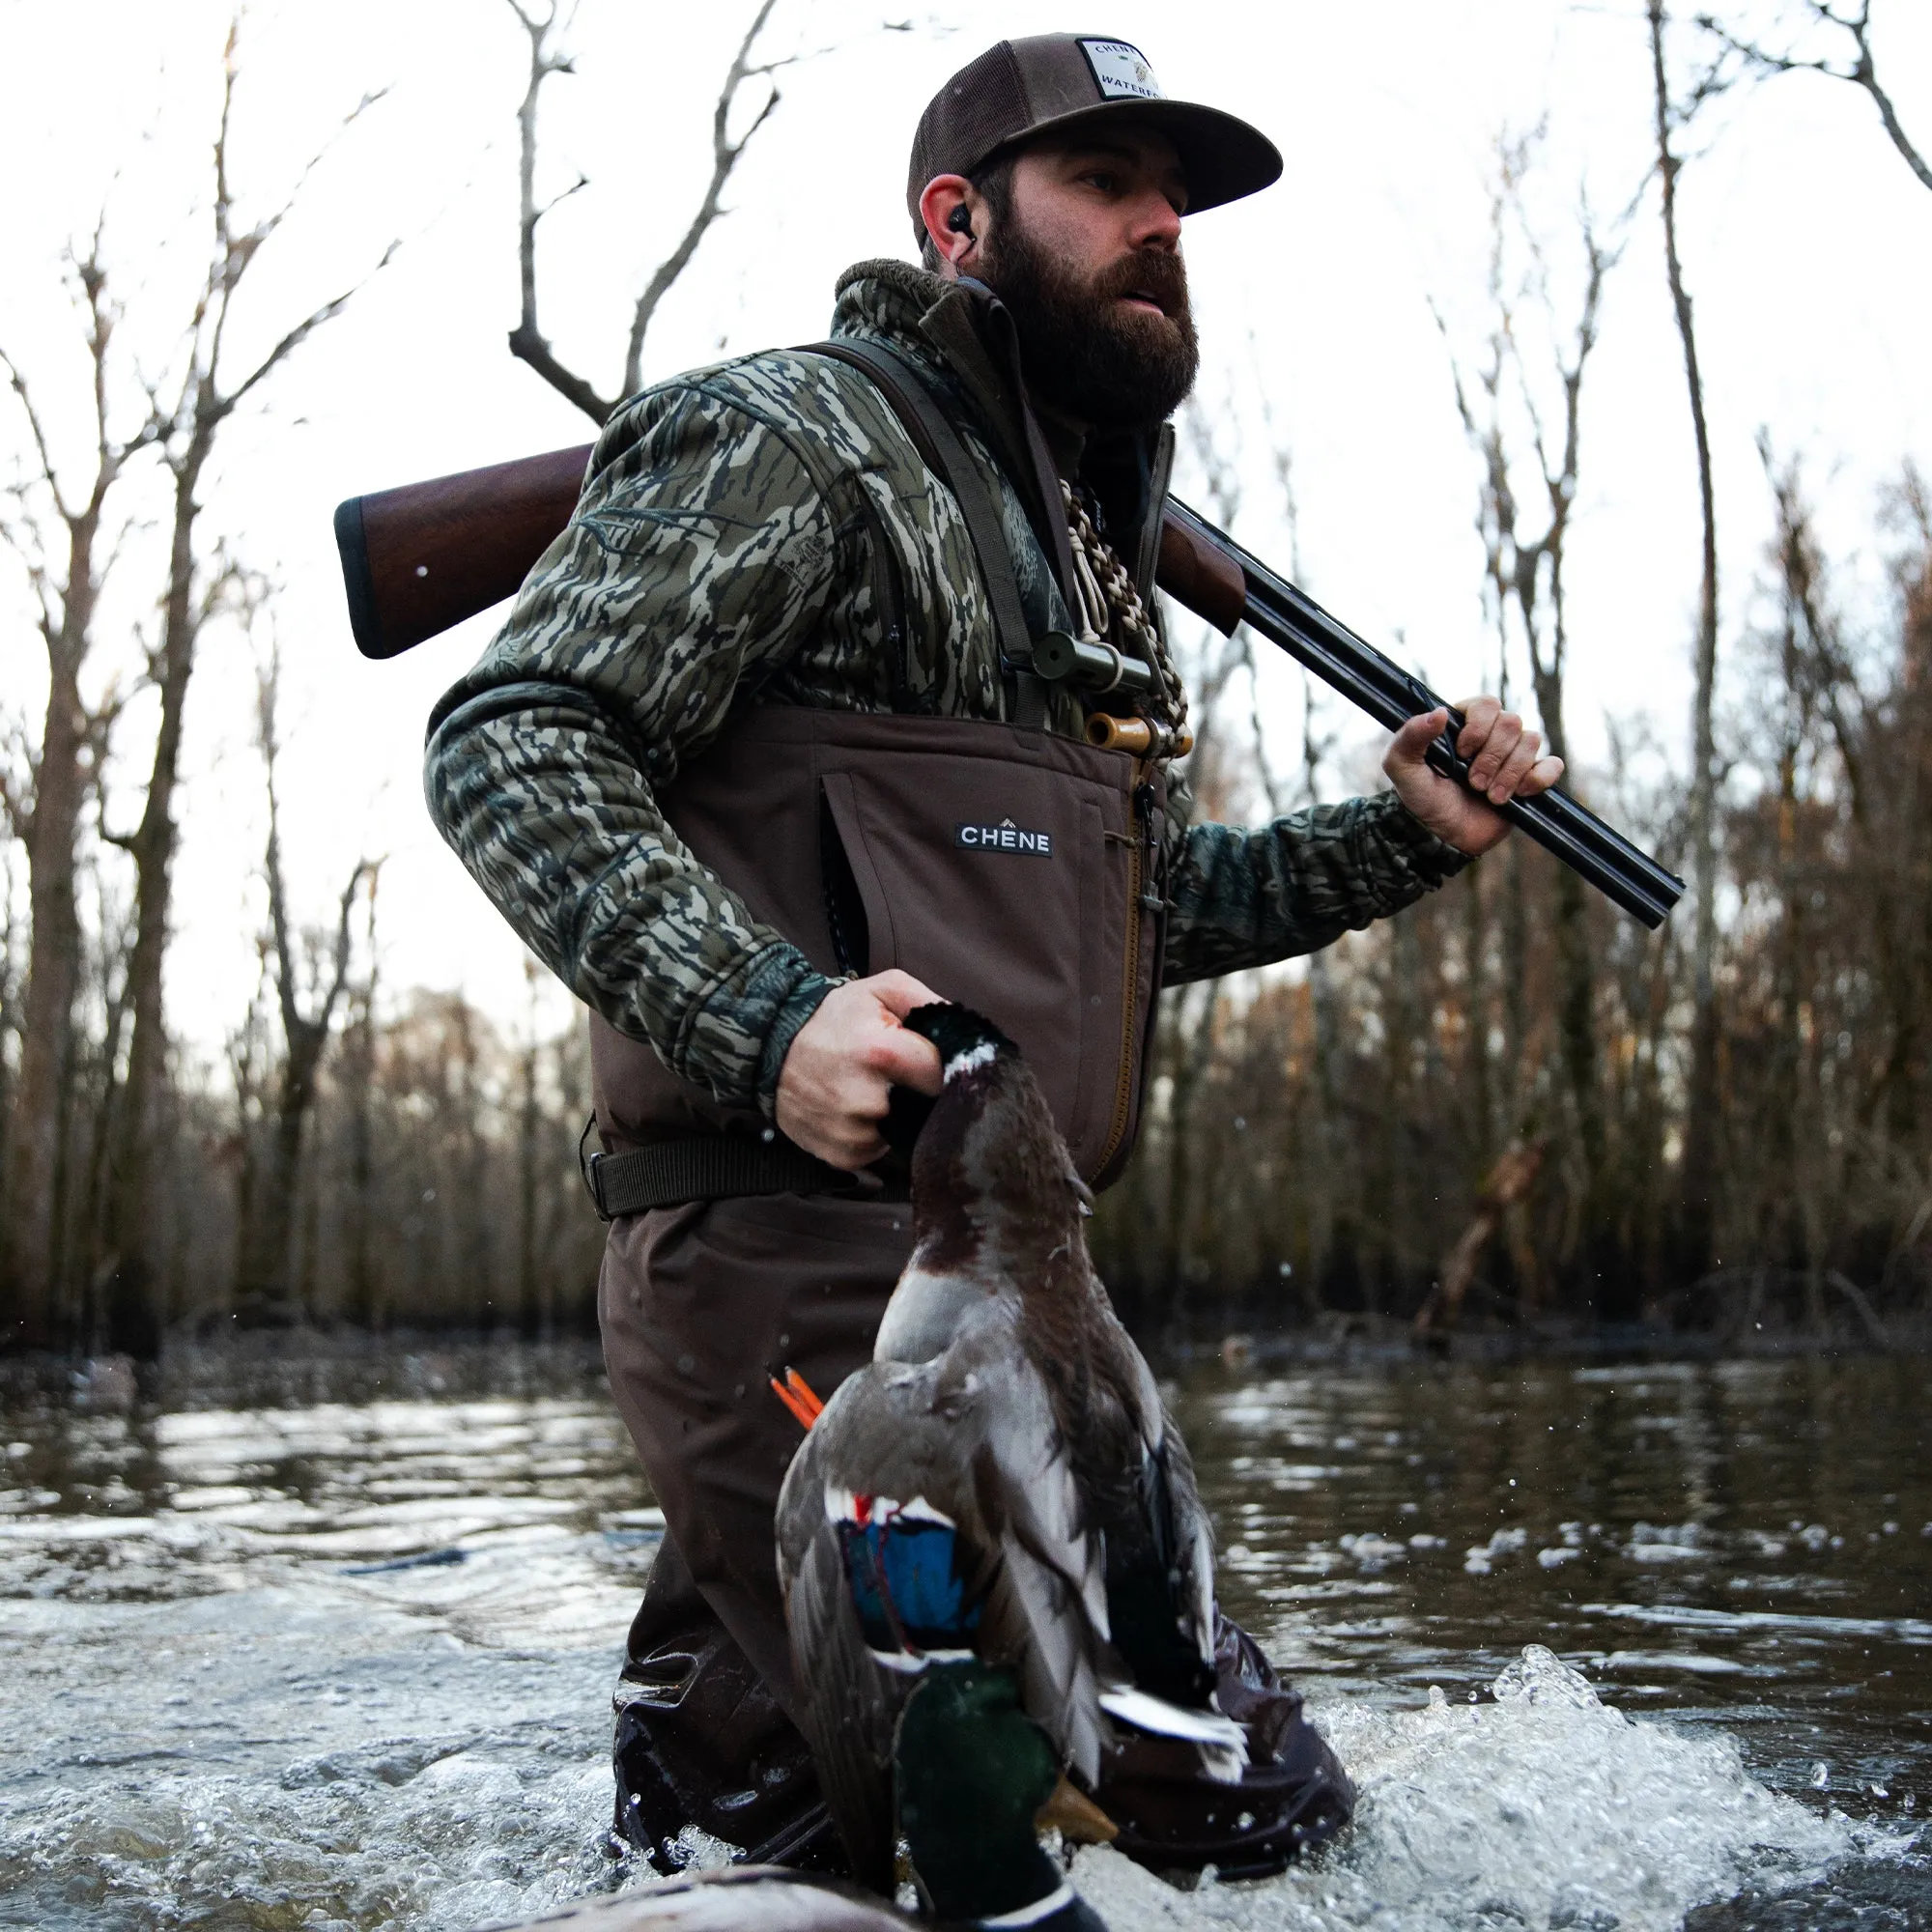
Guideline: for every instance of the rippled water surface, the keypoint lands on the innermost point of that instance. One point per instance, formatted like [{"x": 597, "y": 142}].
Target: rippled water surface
[{"x": 330, "y": 1645}]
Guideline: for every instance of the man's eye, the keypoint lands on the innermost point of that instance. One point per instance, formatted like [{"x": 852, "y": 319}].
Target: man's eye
[{"x": 1106, "y": 183}]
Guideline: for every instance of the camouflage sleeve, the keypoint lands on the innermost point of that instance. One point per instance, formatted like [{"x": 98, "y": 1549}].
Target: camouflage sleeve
[
  {"x": 1246, "y": 898},
  {"x": 700, "y": 553}
]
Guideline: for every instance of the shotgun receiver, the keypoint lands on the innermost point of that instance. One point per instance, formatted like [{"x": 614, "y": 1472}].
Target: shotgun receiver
[{"x": 419, "y": 558}]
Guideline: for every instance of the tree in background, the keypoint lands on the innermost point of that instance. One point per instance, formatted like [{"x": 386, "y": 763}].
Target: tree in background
[
  {"x": 547, "y": 31},
  {"x": 1702, "y": 1123},
  {"x": 310, "y": 971},
  {"x": 1524, "y": 425},
  {"x": 66, "y": 538},
  {"x": 1858, "y": 67},
  {"x": 80, "y": 1205},
  {"x": 206, "y": 396}
]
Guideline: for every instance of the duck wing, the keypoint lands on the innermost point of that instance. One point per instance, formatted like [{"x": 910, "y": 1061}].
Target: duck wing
[
  {"x": 1160, "y": 1554},
  {"x": 932, "y": 1510},
  {"x": 848, "y": 1717}
]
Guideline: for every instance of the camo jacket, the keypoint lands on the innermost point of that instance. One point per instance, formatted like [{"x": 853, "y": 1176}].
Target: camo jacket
[{"x": 720, "y": 556}]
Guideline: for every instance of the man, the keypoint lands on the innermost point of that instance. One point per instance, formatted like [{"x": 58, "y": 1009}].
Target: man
[{"x": 762, "y": 760}]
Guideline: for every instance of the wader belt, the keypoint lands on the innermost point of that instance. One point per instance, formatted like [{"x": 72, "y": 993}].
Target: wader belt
[
  {"x": 720, "y": 1167},
  {"x": 939, "y": 446}
]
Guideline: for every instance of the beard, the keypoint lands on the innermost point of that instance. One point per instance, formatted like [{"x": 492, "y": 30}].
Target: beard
[{"x": 1083, "y": 354}]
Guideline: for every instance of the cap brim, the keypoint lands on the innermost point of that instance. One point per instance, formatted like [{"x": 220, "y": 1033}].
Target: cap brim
[{"x": 1223, "y": 157}]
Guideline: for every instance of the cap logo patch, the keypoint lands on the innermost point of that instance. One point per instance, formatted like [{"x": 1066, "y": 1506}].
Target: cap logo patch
[{"x": 1122, "y": 71}]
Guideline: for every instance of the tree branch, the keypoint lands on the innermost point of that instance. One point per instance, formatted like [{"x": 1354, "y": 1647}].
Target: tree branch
[
  {"x": 1861, "y": 73},
  {"x": 43, "y": 454},
  {"x": 725, "y": 155},
  {"x": 304, "y": 329},
  {"x": 528, "y": 342}
]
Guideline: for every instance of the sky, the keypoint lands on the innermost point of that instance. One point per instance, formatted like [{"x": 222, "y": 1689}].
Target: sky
[{"x": 1332, "y": 309}]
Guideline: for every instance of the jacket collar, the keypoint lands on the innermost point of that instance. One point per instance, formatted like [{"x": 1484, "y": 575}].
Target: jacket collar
[{"x": 962, "y": 338}]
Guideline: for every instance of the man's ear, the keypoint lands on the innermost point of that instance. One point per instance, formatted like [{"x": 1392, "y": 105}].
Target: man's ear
[{"x": 952, "y": 211}]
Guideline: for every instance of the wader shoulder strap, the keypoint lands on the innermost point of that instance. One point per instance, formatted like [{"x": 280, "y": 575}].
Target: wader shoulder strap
[{"x": 939, "y": 446}]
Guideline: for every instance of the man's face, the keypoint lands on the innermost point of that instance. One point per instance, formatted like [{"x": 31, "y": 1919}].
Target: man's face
[{"x": 1088, "y": 260}]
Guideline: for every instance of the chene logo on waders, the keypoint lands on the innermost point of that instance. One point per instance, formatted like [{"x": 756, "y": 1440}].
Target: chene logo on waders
[{"x": 1004, "y": 836}]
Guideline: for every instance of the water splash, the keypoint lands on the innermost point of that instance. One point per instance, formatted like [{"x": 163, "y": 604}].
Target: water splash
[
  {"x": 438, "y": 1834},
  {"x": 1544, "y": 1809}
]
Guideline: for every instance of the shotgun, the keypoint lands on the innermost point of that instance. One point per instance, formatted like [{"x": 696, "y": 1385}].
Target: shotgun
[{"x": 419, "y": 558}]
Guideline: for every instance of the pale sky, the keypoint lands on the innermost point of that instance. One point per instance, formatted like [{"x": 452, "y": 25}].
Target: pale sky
[{"x": 1806, "y": 244}]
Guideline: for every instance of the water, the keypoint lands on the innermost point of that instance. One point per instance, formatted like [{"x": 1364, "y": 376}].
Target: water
[{"x": 330, "y": 1645}]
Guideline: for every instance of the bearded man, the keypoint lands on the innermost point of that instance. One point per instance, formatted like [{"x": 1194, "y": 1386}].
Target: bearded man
[{"x": 764, "y": 759}]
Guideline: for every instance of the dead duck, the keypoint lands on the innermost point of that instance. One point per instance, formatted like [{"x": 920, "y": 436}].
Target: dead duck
[{"x": 991, "y": 1545}]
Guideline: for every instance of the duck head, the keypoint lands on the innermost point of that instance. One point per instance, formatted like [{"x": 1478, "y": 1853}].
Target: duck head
[{"x": 989, "y": 1168}]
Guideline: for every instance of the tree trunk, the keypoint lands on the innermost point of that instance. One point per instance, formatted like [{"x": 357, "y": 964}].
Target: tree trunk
[
  {"x": 358, "y": 1080},
  {"x": 1192, "y": 1047},
  {"x": 132, "y": 1318},
  {"x": 529, "y": 1297},
  {"x": 1577, "y": 1021},
  {"x": 35, "y": 1210},
  {"x": 1698, "y": 1168},
  {"x": 263, "y": 1297},
  {"x": 1326, "y": 1218}
]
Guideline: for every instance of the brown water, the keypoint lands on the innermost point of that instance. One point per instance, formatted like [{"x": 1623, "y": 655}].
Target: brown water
[{"x": 331, "y": 1644}]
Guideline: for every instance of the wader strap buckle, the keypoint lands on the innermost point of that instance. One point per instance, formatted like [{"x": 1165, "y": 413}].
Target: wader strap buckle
[{"x": 707, "y": 1167}]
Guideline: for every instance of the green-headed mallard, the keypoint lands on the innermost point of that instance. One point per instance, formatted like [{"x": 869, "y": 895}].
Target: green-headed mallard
[{"x": 991, "y": 1545}]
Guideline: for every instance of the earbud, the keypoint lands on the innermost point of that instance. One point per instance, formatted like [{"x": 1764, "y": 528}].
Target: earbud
[{"x": 960, "y": 221}]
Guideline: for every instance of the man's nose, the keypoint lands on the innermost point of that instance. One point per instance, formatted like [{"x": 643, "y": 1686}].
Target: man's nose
[{"x": 1156, "y": 223}]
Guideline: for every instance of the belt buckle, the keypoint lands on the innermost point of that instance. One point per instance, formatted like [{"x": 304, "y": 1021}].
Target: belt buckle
[{"x": 587, "y": 1168}]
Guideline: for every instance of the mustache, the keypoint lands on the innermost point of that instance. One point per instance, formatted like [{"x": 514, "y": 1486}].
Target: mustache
[{"x": 1156, "y": 272}]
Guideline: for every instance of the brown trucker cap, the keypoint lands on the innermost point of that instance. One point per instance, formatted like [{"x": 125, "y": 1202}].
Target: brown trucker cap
[{"x": 1054, "y": 83}]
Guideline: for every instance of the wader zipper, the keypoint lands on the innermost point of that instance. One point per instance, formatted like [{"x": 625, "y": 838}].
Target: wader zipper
[{"x": 1138, "y": 904}]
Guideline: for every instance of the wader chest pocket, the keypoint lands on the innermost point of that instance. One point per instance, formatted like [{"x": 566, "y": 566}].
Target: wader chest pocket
[{"x": 988, "y": 880}]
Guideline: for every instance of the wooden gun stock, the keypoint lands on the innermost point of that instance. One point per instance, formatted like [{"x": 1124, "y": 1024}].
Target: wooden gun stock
[{"x": 418, "y": 559}]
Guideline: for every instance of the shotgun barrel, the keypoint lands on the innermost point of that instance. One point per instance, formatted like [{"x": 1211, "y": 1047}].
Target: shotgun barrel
[
  {"x": 1218, "y": 580},
  {"x": 419, "y": 558}
]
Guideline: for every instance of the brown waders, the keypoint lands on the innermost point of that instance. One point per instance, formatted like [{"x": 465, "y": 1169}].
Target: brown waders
[{"x": 1009, "y": 870}]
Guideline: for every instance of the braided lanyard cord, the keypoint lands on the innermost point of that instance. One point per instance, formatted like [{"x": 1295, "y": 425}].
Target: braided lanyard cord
[{"x": 1108, "y": 598}]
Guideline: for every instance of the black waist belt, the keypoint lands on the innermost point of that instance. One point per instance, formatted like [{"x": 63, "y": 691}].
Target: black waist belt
[{"x": 708, "y": 1167}]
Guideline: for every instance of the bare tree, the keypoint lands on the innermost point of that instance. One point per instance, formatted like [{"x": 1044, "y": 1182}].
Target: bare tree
[
  {"x": 67, "y": 544},
  {"x": 311, "y": 974},
  {"x": 1192, "y": 1013},
  {"x": 187, "y": 427},
  {"x": 530, "y": 1128},
  {"x": 1789, "y": 1213},
  {"x": 1858, "y": 69},
  {"x": 1323, "y": 1006},
  {"x": 1696, "y": 1173},
  {"x": 357, "y": 1076},
  {"x": 547, "y": 31},
  {"x": 1525, "y": 573}
]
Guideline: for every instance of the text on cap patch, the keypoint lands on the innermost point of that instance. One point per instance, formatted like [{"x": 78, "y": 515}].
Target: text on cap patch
[{"x": 1122, "y": 71}]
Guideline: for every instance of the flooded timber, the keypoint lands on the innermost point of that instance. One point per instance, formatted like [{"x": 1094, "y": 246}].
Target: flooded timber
[{"x": 1606, "y": 1644}]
